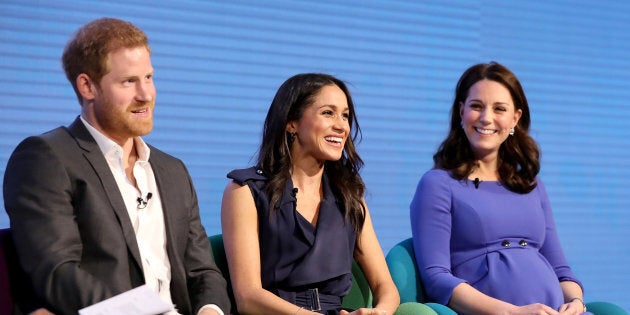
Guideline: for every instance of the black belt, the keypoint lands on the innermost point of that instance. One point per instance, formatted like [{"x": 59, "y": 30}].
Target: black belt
[{"x": 312, "y": 299}]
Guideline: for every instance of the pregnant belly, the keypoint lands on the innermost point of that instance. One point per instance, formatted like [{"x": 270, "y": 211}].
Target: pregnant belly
[{"x": 517, "y": 276}]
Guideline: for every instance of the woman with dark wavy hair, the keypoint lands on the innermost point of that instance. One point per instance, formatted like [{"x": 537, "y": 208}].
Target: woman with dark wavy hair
[
  {"x": 483, "y": 231},
  {"x": 293, "y": 224}
]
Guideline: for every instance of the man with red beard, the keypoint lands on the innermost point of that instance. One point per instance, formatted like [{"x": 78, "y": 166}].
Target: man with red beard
[{"x": 94, "y": 210}]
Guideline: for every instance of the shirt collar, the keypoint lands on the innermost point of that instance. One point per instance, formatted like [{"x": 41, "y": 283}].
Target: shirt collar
[{"x": 109, "y": 147}]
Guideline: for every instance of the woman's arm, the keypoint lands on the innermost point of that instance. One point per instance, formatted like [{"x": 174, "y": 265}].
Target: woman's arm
[
  {"x": 552, "y": 250},
  {"x": 573, "y": 298},
  {"x": 370, "y": 257},
  {"x": 468, "y": 300},
  {"x": 239, "y": 222}
]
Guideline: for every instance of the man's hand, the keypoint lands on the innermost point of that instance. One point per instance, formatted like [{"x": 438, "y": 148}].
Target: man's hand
[
  {"x": 41, "y": 311},
  {"x": 207, "y": 311}
]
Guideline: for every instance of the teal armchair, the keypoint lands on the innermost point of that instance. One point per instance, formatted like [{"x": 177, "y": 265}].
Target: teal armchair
[{"x": 402, "y": 265}]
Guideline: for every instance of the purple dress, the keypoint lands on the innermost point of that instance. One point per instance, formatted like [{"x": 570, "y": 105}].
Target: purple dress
[{"x": 502, "y": 243}]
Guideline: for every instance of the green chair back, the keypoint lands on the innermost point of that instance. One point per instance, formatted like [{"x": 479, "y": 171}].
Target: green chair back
[
  {"x": 360, "y": 294},
  {"x": 218, "y": 254}
]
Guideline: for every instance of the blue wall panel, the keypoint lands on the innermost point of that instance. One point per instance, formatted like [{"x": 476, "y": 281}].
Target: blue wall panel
[{"x": 219, "y": 63}]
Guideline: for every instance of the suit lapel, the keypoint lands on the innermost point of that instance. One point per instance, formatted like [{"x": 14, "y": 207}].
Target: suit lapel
[
  {"x": 166, "y": 178},
  {"x": 95, "y": 157},
  {"x": 162, "y": 181}
]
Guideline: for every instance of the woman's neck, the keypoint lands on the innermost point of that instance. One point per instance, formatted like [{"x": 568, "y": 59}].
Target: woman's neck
[
  {"x": 486, "y": 170},
  {"x": 307, "y": 178}
]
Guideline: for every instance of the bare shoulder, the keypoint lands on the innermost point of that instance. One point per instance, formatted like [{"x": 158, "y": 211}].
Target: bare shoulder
[{"x": 237, "y": 196}]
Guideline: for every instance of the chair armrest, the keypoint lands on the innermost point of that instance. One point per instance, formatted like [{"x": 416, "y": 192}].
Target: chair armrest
[
  {"x": 414, "y": 308},
  {"x": 604, "y": 308},
  {"x": 441, "y": 309}
]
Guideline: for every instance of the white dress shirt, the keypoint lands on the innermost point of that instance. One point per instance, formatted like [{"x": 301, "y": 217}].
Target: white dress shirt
[{"x": 144, "y": 207}]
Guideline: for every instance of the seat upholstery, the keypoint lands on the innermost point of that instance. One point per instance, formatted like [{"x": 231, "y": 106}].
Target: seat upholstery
[
  {"x": 402, "y": 266},
  {"x": 6, "y": 248},
  {"x": 218, "y": 254}
]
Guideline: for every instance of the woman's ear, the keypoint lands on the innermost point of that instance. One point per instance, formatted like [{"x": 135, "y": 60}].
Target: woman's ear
[
  {"x": 517, "y": 116},
  {"x": 291, "y": 127},
  {"x": 86, "y": 87}
]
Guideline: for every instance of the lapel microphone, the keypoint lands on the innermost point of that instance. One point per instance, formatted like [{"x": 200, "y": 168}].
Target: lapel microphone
[
  {"x": 142, "y": 203},
  {"x": 476, "y": 182}
]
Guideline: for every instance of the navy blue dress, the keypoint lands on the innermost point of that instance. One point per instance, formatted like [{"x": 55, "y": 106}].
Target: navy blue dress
[{"x": 303, "y": 264}]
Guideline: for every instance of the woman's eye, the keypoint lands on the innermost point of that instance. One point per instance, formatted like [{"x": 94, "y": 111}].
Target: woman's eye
[{"x": 327, "y": 113}]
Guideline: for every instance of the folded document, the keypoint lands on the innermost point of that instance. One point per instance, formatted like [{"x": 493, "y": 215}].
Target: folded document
[{"x": 137, "y": 301}]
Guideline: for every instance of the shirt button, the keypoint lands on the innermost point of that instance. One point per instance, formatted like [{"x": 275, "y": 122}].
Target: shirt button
[
  {"x": 259, "y": 172},
  {"x": 522, "y": 243},
  {"x": 506, "y": 243}
]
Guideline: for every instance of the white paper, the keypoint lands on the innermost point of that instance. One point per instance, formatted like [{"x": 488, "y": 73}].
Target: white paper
[{"x": 137, "y": 301}]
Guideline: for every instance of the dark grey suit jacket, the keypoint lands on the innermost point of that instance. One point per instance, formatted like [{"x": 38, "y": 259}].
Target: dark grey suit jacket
[{"x": 74, "y": 236}]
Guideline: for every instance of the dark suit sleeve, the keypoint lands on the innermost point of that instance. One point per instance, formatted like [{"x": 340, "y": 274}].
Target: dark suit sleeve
[
  {"x": 206, "y": 284},
  {"x": 38, "y": 196}
]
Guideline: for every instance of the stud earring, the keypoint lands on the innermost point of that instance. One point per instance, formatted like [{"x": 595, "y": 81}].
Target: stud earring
[
  {"x": 512, "y": 131},
  {"x": 292, "y": 136}
]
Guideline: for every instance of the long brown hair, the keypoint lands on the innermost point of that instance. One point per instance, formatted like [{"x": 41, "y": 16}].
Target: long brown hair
[
  {"x": 519, "y": 155},
  {"x": 289, "y": 103}
]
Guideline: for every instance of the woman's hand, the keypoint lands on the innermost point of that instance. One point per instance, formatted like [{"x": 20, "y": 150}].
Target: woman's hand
[
  {"x": 365, "y": 311},
  {"x": 534, "y": 309},
  {"x": 574, "y": 307}
]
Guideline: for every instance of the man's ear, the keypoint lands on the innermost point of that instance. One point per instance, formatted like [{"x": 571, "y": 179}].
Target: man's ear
[{"x": 86, "y": 87}]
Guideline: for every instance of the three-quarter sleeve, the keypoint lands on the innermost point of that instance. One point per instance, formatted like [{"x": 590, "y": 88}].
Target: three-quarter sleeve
[
  {"x": 551, "y": 248},
  {"x": 430, "y": 213}
]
